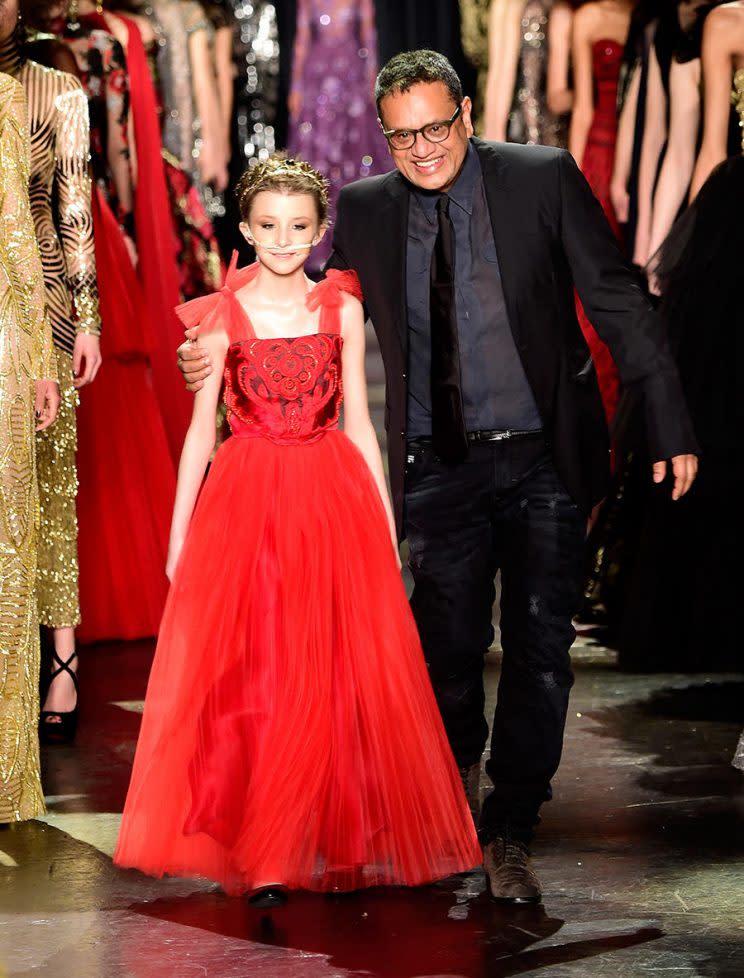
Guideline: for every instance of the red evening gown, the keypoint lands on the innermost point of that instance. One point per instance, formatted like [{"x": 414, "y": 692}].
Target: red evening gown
[
  {"x": 597, "y": 164},
  {"x": 158, "y": 246},
  {"x": 127, "y": 477},
  {"x": 290, "y": 733}
]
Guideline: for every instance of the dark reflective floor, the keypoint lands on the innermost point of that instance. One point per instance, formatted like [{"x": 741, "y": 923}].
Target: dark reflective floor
[{"x": 641, "y": 853}]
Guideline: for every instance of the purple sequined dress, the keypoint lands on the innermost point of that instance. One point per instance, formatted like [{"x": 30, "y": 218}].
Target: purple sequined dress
[{"x": 333, "y": 72}]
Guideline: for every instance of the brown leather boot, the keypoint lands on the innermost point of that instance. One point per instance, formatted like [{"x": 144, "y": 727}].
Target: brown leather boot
[
  {"x": 471, "y": 783},
  {"x": 510, "y": 876}
]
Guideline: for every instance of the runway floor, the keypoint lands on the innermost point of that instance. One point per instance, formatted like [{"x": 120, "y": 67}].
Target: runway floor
[{"x": 641, "y": 852}]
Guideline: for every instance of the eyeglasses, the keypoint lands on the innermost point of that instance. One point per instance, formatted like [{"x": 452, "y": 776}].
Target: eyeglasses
[{"x": 435, "y": 132}]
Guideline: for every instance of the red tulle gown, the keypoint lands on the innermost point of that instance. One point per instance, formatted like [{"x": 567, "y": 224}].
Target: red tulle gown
[
  {"x": 290, "y": 734},
  {"x": 597, "y": 164},
  {"x": 127, "y": 478}
]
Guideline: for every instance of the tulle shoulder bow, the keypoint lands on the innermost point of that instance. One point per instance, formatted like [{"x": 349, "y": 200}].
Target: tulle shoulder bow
[
  {"x": 329, "y": 291},
  {"x": 219, "y": 310}
]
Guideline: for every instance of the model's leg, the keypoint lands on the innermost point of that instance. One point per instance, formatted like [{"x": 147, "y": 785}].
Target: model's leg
[{"x": 57, "y": 585}]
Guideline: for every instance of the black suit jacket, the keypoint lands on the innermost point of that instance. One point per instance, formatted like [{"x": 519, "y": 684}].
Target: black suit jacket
[{"x": 550, "y": 235}]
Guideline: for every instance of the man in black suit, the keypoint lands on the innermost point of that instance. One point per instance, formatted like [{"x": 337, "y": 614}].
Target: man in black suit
[{"x": 468, "y": 254}]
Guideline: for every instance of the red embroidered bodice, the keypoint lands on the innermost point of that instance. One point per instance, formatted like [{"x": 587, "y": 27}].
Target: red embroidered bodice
[{"x": 286, "y": 389}]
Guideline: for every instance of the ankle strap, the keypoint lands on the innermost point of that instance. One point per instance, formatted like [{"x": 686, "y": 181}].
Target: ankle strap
[{"x": 64, "y": 666}]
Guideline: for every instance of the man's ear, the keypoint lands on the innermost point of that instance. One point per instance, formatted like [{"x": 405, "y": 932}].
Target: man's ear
[{"x": 467, "y": 115}]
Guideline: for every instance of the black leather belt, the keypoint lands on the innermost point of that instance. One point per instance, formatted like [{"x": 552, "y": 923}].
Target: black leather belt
[
  {"x": 489, "y": 434},
  {"x": 496, "y": 435}
]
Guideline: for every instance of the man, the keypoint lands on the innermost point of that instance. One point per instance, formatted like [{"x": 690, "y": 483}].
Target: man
[{"x": 468, "y": 255}]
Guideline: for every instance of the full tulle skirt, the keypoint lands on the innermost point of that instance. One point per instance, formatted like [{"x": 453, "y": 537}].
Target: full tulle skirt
[{"x": 290, "y": 733}]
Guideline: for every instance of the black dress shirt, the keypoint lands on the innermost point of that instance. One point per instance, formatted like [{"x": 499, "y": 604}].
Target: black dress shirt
[{"x": 496, "y": 393}]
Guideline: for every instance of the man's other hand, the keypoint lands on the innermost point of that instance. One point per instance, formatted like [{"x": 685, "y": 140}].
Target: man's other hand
[{"x": 684, "y": 470}]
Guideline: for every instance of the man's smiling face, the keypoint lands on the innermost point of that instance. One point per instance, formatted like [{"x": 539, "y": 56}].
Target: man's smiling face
[{"x": 431, "y": 166}]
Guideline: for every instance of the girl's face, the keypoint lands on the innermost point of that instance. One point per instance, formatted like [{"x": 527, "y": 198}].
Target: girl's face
[{"x": 283, "y": 227}]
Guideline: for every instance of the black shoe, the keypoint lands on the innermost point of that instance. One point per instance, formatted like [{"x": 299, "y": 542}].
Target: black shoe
[
  {"x": 55, "y": 726},
  {"x": 269, "y": 897}
]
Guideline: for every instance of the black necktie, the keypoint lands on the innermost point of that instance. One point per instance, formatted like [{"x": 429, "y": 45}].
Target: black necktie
[{"x": 448, "y": 432}]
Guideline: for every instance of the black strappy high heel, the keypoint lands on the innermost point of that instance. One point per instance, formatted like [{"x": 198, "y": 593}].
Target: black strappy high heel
[{"x": 56, "y": 726}]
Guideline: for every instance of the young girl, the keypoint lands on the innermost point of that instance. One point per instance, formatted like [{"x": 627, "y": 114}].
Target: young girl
[{"x": 290, "y": 736}]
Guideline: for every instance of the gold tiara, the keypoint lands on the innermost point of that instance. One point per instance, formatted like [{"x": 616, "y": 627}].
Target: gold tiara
[{"x": 254, "y": 178}]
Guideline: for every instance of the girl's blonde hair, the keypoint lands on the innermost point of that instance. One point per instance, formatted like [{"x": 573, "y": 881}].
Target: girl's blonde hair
[{"x": 284, "y": 175}]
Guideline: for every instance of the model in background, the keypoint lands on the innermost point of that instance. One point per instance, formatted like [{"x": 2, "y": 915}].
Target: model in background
[
  {"x": 686, "y": 85},
  {"x": 599, "y": 33},
  {"x": 723, "y": 71},
  {"x": 474, "y": 37},
  {"x": 517, "y": 83},
  {"x": 256, "y": 112},
  {"x": 126, "y": 472},
  {"x": 668, "y": 557},
  {"x": 333, "y": 123},
  {"x": 29, "y": 398},
  {"x": 60, "y": 195}
]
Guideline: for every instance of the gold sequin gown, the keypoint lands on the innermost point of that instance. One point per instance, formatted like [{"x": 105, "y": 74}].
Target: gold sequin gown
[
  {"x": 26, "y": 354},
  {"x": 60, "y": 192}
]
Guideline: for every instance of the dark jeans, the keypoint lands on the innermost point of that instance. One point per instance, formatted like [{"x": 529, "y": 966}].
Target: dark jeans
[{"x": 503, "y": 508}]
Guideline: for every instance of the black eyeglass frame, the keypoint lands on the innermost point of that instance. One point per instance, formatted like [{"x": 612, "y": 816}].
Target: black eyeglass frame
[{"x": 449, "y": 123}]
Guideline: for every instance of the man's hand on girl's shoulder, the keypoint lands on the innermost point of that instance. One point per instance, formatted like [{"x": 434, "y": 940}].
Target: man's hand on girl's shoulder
[{"x": 194, "y": 363}]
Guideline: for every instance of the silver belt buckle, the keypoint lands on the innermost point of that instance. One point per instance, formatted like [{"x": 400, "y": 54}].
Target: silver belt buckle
[{"x": 501, "y": 436}]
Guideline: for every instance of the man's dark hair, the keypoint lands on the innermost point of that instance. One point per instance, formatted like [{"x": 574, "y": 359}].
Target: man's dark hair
[{"x": 410, "y": 68}]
